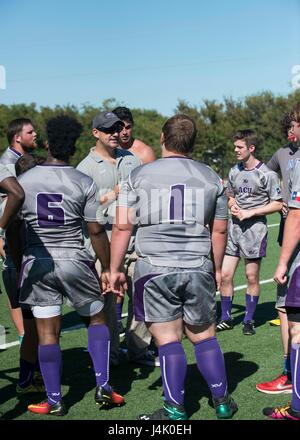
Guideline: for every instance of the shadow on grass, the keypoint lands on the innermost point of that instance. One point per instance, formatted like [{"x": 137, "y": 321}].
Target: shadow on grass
[
  {"x": 78, "y": 375},
  {"x": 264, "y": 312},
  {"x": 196, "y": 388}
]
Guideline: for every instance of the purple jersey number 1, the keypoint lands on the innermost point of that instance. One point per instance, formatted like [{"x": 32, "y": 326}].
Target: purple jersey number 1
[
  {"x": 49, "y": 215},
  {"x": 176, "y": 204}
]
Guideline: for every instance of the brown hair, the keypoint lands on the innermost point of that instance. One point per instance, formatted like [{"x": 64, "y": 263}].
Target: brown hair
[
  {"x": 295, "y": 113},
  {"x": 247, "y": 135},
  {"x": 15, "y": 127},
  {"x": 179, "y": 134}
]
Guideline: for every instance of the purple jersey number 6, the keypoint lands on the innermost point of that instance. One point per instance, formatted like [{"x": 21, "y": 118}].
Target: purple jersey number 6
[{"x": 49, "y": 215}]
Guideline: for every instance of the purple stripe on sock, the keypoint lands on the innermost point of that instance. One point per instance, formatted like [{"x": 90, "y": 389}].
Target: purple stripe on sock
[
  {"x": 50, "y": 363},
  {"x": 138, "y": 297},
  {"x": 295, "y": 367},
  {"x": 99, "y": 346},
  {"x": 210, "y": 362},
  {"x": 173, "y": 365}
]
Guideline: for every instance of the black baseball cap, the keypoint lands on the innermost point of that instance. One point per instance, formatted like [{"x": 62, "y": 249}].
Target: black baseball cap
[{"x": 106, "y": 120}]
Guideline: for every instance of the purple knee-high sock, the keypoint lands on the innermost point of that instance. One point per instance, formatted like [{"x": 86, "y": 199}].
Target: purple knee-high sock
[
  {"x": 98, "y": 346},
  {"x": 173, "y": 367},
  {"x": 295, "y": 366},
  {"x": 50, "y": 363},
  {"x": 251, "y": 303},
  {"x": 226, "y": 304},
  {"x": 210, "y": 361}
]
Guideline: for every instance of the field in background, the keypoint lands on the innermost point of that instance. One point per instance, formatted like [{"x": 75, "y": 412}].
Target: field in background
[{"x": 249, "y": 360}]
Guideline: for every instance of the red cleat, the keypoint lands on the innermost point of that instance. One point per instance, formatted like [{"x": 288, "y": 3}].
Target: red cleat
[{"x": 58, "y": 409}]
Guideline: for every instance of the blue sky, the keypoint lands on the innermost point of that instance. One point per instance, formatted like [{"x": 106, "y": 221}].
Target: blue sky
[{"x": 146, "y": 54}]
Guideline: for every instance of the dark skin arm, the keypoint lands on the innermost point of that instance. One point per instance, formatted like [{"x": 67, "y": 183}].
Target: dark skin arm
[{"x": 15, "y": 199}]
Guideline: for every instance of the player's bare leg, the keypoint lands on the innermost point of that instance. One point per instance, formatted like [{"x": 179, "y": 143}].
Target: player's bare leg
[{"x": 229, "y": 266}]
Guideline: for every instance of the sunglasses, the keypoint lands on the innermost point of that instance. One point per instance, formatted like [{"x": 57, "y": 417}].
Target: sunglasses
[{"x": 116, "y": 128}]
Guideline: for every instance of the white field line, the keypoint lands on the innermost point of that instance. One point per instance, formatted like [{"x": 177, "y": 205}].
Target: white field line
[
  {"x": 270, "y": 280},
  {"x": 273, "y": 225},
  {"x": 78, "y": 326}
]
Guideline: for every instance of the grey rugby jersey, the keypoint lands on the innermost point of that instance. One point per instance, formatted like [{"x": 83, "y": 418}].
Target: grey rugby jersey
[
  {"x": 174, "y": 200},
  {"x": 4, "y": 173},
  {"x": 57, "y": 200},
  {"x": 294, "y": 201},
  {"x": 253, "y": 188},
  {"x": 283, "y": 161},
  {"x": 9, "y": 158}
]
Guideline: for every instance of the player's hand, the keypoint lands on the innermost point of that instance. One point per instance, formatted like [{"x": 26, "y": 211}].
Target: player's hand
[
  {"x": 280, "y": 275},
  {"x": 284, "y": 209},
  {"x": 235, "y": 209},
  {"x": 243, "y": 214},
  {"x": 118, "y": 283},
  {"x": 105, "y": 281},
  {"x": 2, "y": 251}
]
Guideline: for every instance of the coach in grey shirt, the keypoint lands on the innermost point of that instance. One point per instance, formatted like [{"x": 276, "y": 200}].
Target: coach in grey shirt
[{"x": 108, "y": 166}]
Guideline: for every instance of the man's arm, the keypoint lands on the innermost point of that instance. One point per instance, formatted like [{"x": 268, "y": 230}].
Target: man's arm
[
  {"x": 271, "y": 207},
  {"x": 291, "y": 239},
  {"x": 14, "y": 243},
  {"x": 120, "y": 238},
  {"x": 15, "y": 199},
  {"x": 100, "y": 243},
  {"x": 218, "y": 229}
]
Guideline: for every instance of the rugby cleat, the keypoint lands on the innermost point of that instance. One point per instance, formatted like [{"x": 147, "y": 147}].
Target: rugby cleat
[
  {"x": 225, "y": 406},
  {"x": 170, "y": 411},
  {"x": 248, "y": 328},
  {"x": 224, "y": 324},
  {"x": 57, "y": 409},
  {"x": 108, "y": 397},
  {"x": 281, "y": 413},
  {"x": 30, "y": 389}
]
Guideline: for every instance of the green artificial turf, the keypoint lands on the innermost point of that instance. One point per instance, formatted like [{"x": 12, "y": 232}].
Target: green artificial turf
[{"x": 249, "y": 360}]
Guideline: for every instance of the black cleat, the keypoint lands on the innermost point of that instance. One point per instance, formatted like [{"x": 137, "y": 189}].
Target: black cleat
[
  {"x": 248, "y": 328},
  {"x": 224, "y": 324}
]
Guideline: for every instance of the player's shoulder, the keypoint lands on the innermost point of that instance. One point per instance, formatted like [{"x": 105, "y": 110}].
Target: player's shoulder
[
  {"x": 265, "y": 170},
  {"x": 143, "y": 151}
]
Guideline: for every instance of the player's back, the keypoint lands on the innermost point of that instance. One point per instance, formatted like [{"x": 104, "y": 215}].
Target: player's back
[
  {"x": 57, "y": 199},
  {"x": 176, "y": 198}
]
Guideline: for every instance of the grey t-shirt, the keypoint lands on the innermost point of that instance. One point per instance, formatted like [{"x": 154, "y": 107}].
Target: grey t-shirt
[
  {"x": 174, "y": 200},
  {"x": 107, "y": 175},
  {"x": 283, "y": 161},
  {"x": 253, "y": 188},
  {"x": 57, "y": 200}
]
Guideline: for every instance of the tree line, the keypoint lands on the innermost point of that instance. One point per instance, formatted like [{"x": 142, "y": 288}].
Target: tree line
[{"x": 216, "y": 124}]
